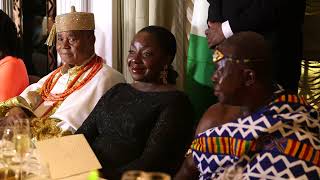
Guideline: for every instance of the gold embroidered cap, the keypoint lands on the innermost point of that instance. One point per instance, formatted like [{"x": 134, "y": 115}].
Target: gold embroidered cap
[
  {"x": 71, "y": 21},
  {"x": 75, "y": 21}
]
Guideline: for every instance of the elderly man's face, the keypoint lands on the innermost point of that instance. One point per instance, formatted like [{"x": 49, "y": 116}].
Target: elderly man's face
[
  {"x": 75, "y": 47},
  {"x": 228, "y": 81}
]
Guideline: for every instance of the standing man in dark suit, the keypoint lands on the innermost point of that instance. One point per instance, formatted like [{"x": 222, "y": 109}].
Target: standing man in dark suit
[{"x": 279, "y": 21}]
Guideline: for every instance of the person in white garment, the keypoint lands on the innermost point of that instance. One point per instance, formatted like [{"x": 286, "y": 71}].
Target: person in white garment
[{"x": 59, "y": 102}]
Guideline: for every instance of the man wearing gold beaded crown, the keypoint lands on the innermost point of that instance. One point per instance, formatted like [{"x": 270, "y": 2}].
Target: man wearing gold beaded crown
[{"x": 59, "y": 103}]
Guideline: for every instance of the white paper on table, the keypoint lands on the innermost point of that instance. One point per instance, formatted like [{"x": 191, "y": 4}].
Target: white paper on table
[{"x": 67, "y": 156}]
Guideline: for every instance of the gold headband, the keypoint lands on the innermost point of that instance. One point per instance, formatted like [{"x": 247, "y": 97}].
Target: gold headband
[
  {"x": 71, "y": 21},
  {"x": 218, "y": 56}
]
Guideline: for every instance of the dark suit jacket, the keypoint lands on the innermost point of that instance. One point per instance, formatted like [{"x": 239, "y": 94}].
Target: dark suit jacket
[{"x": 280, "y": 21}]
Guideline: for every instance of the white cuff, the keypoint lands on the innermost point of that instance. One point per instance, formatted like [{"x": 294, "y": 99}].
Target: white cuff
[{"x": 226, "y": 29}]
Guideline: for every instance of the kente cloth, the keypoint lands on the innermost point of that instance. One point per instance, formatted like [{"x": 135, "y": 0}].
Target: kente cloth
[
  {"x": 279, "y": 141},
  {"x": 69, "y": 114},
  {"x": 13, "y": 77}
]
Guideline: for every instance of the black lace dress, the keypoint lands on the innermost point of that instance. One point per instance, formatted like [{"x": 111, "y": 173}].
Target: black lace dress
[{"x": 134, "y": 130}]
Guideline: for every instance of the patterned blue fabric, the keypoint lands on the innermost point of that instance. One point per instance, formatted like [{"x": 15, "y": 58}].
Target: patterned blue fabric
[{"x": 285, "y": 144}]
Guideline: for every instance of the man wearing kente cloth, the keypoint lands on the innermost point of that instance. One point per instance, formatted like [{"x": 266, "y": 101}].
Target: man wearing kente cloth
[
  {"x": 60, "y": 102},
  {"x": 273, "y": 135}
]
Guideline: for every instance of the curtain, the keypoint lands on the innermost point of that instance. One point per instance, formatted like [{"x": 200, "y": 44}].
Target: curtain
[
  {"x": 312, "y": 7},
  {"x": 167, "y": 13},
  {"x": 51, "y": 14},
  {"x": 309, "y": 86},
  {"x": 17, "y": 16},
  {"x": 6, "y": 6},
  {"x": 117, "y": 40},
  {"x": 311, "y": 29}
]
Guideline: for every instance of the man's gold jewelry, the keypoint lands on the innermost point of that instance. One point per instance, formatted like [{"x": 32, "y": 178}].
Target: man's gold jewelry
[{"x": 218, "y": 56}]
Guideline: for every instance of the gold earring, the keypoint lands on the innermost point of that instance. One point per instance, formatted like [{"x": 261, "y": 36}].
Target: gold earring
[{"x": 164, "y": 74}]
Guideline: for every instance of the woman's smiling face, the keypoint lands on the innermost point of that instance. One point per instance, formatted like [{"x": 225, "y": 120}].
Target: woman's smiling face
[{"x": 146, "y": 58}]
